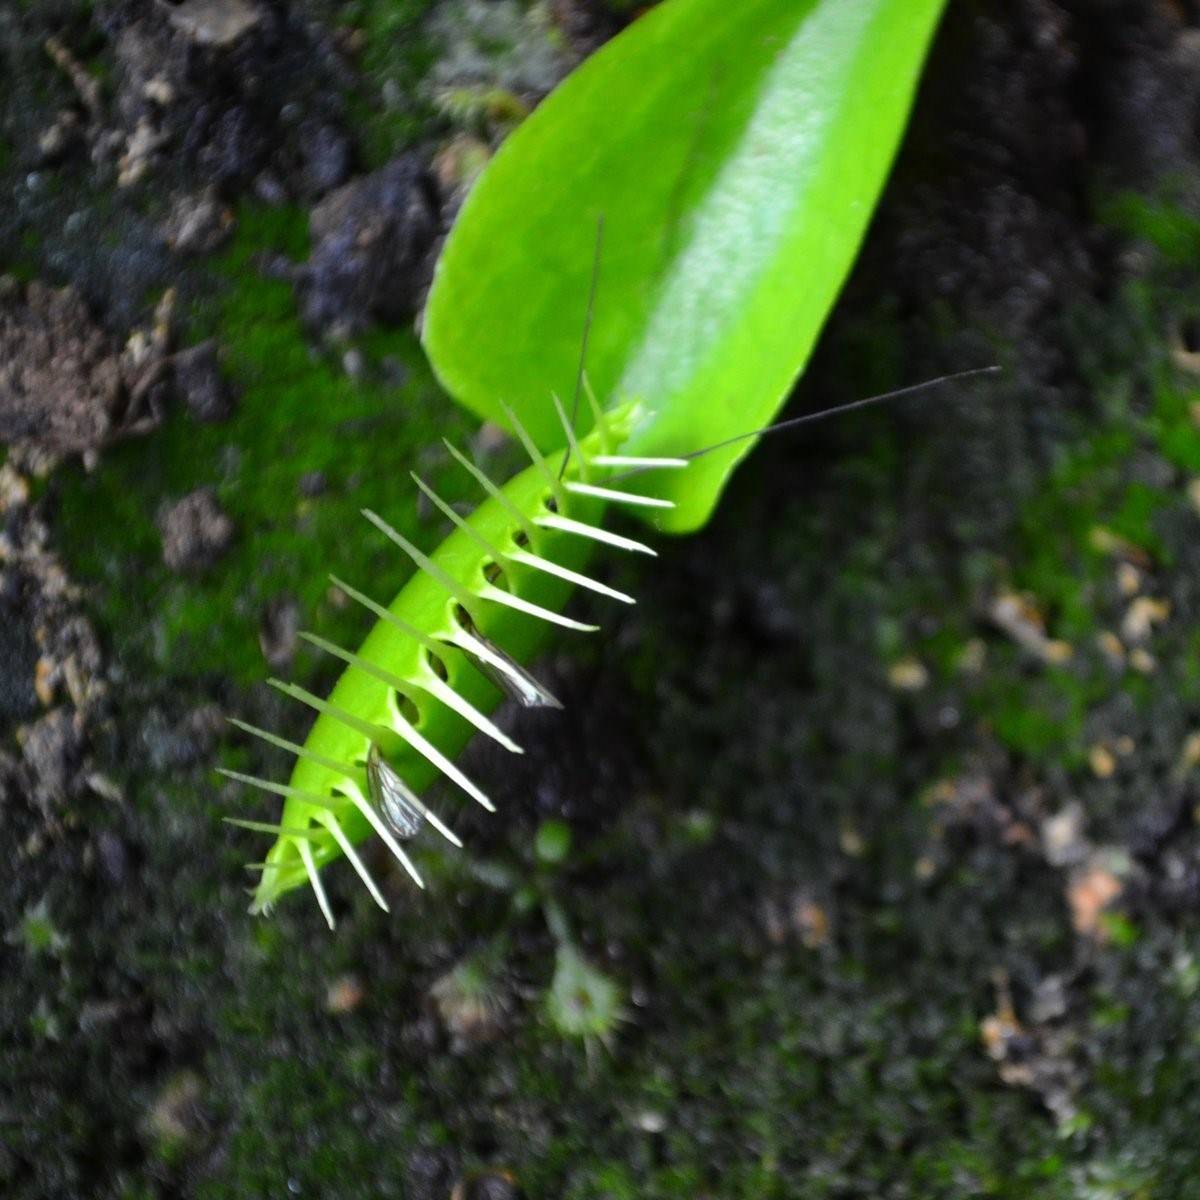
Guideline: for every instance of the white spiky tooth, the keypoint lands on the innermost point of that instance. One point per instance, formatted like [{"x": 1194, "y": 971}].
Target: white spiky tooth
[
  {"x": 359, "y": 800},
  {"x": 569, "y": 430},
  {"x": 371, "y": 732},
  {"x": 368, "y": 729},
  {"x": 356, "y": 660},
  {"x": 429, "y": 751},
  {"x": 280, "y": 789},
  {"x": 385, "y": 614},
  {"x": 509, "y": 676},
  {"x": 430, "y": 683},
  {"x": 291, "y": 831},
  {"x": 501, "y": 556},
  {"x": 594, "y": 532},
  {"x": 535, "y": 454},
  {"x": 339, "y": 836},
  {"x": 437, "y": 823},
  {"x": 598, "y": 417},
  {"x": 584, "y": 581},
  {"x": 615, "y": 496},
  {"x": 456, "y": 519},
  {"x": 421, "y": 560},
  {"x": 442, "y": 691},
  {"x": 492, "y": 489},
  {"x": 318, "y": 887},
  {"x": 295, "y": 748},
  {"x": 638, "y": 462},
  {"x": 376, "y": 822},
  {"x": 500, "y": 596}
]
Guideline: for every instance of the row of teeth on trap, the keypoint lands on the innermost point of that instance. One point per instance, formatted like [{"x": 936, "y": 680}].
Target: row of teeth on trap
[{"x": 392, "y": 808}]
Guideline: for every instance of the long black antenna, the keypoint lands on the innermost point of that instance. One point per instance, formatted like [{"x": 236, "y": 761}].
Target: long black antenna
[
  {"x": 838, "y": 409},
  {"x": 820, "y": 415},
  {"x": 587, "y": 329}
]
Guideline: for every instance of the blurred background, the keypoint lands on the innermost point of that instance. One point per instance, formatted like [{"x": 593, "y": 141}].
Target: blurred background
[{"x": 864, "y": 859}]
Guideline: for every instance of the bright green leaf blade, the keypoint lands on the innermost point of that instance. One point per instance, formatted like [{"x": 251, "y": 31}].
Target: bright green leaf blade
[{"x": 736, "y": 152}]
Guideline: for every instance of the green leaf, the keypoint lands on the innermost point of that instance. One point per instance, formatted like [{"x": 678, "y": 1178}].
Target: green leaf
[{"x": 735, "y": 152}]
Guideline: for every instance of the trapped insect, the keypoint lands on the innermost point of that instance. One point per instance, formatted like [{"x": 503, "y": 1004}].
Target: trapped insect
[{"x": 392, "y": 797}]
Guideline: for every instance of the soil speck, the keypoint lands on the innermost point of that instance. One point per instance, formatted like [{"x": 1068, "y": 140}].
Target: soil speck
[
  {"x": 196, "y": 531},
  {"x": 201, "y": 384}
]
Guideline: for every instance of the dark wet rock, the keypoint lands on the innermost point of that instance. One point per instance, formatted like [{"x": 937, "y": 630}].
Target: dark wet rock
[
  {"x": 268, "y": 188},
  {"x": 95, "y": 1016},
  {"x": 113, "y": 857},
  {"x": 18, "y": 651},
  {"x": 53, "y": 748},
  {"x": 1148, "y": 91},
  {"x": 312, "y": 484},
  {"x": 166, "y": 744},
  {"x": 234, "y": 140},
  {"x": 11, "y": 778},
  {"x": 1167, "y": 812},
  {"x": 205, "y": 725},
  {"x": 585, "y": 26},
  {"x": 201, "y": 384},
  {"x": 1049, "y": 1000},
  {"x": 196, "y": 531},
  {"x": 763, "y": 608},
  {"x": 371, "y": 258},
  {"x": 430, "y": 1172},
  {"x": 278, "y": 631},
  {"x": 326, "y": 156}
]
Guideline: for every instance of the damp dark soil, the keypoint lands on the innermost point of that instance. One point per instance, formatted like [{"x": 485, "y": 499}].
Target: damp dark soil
[{"x": 862, "y": 861}]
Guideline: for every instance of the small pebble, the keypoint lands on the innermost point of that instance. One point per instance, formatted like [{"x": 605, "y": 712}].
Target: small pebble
[
  {"x": 1089, "y": 893},
  {"x": 908, "y": 675},
  {"x": 1142, "y": 615},
  {"x": 312, "y": 484},
  {"x": 278, "y": 630},
  {"x": 345, "y": 994},
  {"x": 201, "y": 384},
  {"x": 1142, "y": 661},
  {"x": 1102, "y": 761}
]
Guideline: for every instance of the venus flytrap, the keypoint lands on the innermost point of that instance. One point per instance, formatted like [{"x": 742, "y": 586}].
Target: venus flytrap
[
  {"x": 412, "y": 694},
  {"x": 735, "y": 153}
]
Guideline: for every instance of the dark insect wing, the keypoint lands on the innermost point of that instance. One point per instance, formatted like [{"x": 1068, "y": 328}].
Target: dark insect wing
[{"x": 392, "y": 797}]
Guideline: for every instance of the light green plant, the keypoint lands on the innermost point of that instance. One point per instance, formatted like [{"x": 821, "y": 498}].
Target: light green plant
[{"x": 734, "y": 154}]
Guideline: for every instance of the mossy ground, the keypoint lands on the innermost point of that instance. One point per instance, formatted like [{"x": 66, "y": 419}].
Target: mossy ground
[
  {"x": 775, "y": 852},
  {"x": 299, "y": 414}
]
